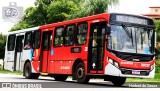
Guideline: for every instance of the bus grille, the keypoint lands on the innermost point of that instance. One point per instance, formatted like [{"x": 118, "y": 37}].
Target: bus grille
[
  {"x": 129, "y": 72},
  {"x": 139, "y": 58}
]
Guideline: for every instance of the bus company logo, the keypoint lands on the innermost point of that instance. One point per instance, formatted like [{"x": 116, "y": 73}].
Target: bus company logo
[
  {"x": 145, "y": 65},
  {"x": 136, "y": 60},
  {"x": 65, "y": 67},
  {"x": 130, "y": 63}
]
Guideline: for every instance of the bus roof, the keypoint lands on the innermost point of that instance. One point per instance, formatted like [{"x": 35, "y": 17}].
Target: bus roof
[
  {"x": 83, "y": 19},
  {"x": 93, "y": 17},
  {"x": 23, "y": 30}
]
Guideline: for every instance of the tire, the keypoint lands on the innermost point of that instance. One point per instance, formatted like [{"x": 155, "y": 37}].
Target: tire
[
  {"x": 80, "y": 74},
  {"x": 60, "y": 77},
  {"x": 118, "y": 81},
  {"x": 28, "y": 72}
]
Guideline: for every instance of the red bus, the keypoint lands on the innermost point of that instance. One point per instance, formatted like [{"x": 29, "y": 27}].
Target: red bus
[{"x": 111, "y": 46}]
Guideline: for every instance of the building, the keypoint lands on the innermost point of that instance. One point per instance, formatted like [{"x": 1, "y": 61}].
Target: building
[{"x": 154, "y": 12}]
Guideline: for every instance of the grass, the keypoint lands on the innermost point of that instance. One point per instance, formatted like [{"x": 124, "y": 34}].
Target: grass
[
  {"x": 156, "y": 79},
  {"x": 158, "y": 66},
  {"x": 9, "y": 72},
  {"x": 0, "y": 67}
]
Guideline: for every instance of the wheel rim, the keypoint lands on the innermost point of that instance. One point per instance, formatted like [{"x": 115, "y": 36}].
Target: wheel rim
[{"x": 80, "y": 72}]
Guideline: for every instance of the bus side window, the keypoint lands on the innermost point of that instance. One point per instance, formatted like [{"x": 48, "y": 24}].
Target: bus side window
[
  {"x": 28, "y": 40},
  {"x": 37, "y": 37},
  {"x": 11, "y": 42},
  {"x": 82, "y": 33},
  {"x": 58, "y": 39},
  {"x": 69, "y": 36}
]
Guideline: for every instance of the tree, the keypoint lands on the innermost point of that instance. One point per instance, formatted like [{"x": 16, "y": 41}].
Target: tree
[
  {"x": 157, "y": 29},
  {"x": 34, "y": 16},
  {"x": 51, "y": 11},
  {"x": 61, "y": 10},
  {"x": 2, "y": 44},
  {"x": 93, "y": 7}
]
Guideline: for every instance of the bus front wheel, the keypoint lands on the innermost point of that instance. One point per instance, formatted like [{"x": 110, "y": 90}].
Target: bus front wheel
[
  {"x": 80, "y": 74},
  {"x": 28, "y": 73},
  {"x": 118, "y": 81}
]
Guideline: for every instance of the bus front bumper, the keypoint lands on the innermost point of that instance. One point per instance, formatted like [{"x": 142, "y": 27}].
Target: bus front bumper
[{"x": 124, "y": 72}]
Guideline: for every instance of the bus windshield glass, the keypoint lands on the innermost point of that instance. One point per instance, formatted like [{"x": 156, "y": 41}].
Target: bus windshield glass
[{"x": 131, "y": 39}]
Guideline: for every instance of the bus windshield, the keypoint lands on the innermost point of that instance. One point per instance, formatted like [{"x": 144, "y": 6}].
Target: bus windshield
[{"x": 131, "y": 39}]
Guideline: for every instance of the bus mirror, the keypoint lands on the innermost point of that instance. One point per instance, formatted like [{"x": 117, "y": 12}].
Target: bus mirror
[{"x": 108, "y": 30}]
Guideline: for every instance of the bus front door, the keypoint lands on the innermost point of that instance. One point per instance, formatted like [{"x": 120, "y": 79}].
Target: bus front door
[
  {"x": 96, "y": 47},
  {"x": 18, "y": 53},
  {"x": 45, "y": 54}
]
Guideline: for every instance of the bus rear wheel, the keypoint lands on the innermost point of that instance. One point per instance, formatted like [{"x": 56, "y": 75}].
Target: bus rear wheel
[
  {"x": 80, "y": 74},
  {"x": 60, "y": 77},
  {"x": 28, "y": 73},
  {"x": 118, "y": 81}
]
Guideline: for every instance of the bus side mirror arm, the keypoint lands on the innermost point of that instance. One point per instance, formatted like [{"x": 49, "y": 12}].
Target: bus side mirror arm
[{"x": 108, "y": 29}]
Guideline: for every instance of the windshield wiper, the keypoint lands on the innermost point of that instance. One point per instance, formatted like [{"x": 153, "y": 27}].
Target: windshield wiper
[{"x": 128, "y": 33}]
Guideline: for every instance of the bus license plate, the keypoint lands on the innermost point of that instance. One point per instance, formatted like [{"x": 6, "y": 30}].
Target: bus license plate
[{"x": 136, "y": 72}]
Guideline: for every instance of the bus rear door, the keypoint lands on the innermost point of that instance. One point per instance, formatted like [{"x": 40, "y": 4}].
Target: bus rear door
[
  {"x": 18, "y": 52},
  {"x": 45, "y": 53}
]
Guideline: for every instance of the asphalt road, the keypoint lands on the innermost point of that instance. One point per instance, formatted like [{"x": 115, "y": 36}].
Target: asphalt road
[
  {"x": 48, "y": 82},
  {"x": 18, "y": 81}
]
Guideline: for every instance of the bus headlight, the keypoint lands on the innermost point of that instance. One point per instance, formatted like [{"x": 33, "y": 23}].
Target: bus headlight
[
  {"x": 110, "y": 61},
  {"x": 114, "y": 63},
  {"x": 152, "y": 67}
]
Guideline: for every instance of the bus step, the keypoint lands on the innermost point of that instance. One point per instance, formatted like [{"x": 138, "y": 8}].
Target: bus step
[{"x": 44, "y": 74}]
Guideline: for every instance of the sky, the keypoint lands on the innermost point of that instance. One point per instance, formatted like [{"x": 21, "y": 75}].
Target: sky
[{"x": 136, "y": 7}]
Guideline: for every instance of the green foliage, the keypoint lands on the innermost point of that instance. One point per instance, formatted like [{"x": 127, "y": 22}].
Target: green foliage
[
  {"x": 21, "y": 25},
  {"x": 92, "y": 7},
  {"x": 61, "y": 10},
  {"x": 155, "y": 80},
  {"x": 157, "y": 29},
  {"x": 51, "y": 11},
  {"x": 158, "y": 66},
  {"x": 34, "y": 16},
  {"x": 2, "y": 44},
  {"x": 10, "y": 72}
]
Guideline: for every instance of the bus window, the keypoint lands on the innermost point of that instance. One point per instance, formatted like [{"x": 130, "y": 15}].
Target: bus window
[
  {"x": 58, "y": 40},
  {"x": 81, "y": 33},
  {"x": 28, "y": 40},
  {"x": 37, "y": 36},
  {"x": 11, "y": 42},
  {"x": 69, "y": 37}
]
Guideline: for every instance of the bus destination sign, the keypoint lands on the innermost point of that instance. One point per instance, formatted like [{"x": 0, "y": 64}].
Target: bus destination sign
[{"x": 131, "y": 19}]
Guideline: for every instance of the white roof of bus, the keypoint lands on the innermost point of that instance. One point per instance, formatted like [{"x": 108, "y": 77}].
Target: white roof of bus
[{"x": 23, "y": 30}]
